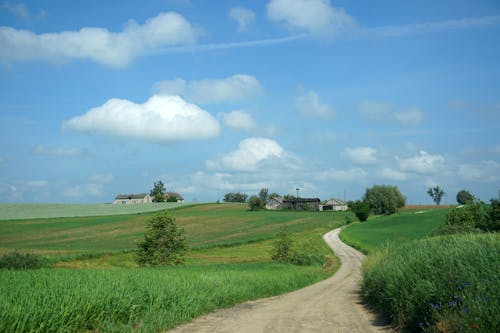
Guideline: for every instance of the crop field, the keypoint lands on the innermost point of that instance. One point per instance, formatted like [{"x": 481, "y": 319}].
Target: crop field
[
  {"x": 36, "y": 211},
  {"x": 95, "y": 285}
]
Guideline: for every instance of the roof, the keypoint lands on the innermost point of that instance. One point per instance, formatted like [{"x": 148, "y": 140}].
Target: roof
[
  {"x": 302, "y": 200},
  {"x": 278, "y": 199},
  {"x": 335, "y": 202},
  {"x": 173, "y": 194},
  {"x": 131, "y": 196}
]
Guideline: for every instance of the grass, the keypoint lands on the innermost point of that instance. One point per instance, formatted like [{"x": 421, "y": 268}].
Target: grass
[
  {"x": 399, "y": 228},
  {"x": 438, "y": 284}
]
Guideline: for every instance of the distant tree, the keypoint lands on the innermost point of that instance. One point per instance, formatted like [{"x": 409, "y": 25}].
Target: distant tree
[
  {"x": 360, "y": 209},
  {"x": 384, "y": 199},
  {"x": 255, "y": 203},
  {"x": 436, "y": 193},
  {"x": 164, "y": 242},
  {"x": 281, "y": 250},
  {"x": 264, "y": 195},
  {"x": 158, "y": 192},
  {"x": 492, "y": 220},
  {"x": 289, "y": 197},
  {"x": 235, "y": 197},
  {"x": 273, "y": 195},
  {"x": 464, "y": 197},
  {"x": 172, "y": 198}
]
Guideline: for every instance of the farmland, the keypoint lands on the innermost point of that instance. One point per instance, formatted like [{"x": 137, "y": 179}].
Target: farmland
[{"x": 97, "y": 286}]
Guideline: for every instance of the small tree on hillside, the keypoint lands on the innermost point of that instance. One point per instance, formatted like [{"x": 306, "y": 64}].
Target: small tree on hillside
[
  {"x": 384, "y": 199},
  {"x": 164, "y": 242},
  {"x": 158, "y": 192},
  {"x": 255, "y": 203},
  {"x": 235, "y": 197},
  {"x": 281, "y": 250},
  {"x": 464, "y": 197},
  {"x": 361, "y": 210},
  {"x": 436, "y": 193},
  {"x": 264, "y": 195}
]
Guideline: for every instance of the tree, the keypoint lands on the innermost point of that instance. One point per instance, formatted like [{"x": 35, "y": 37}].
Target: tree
[
  {"x": 255, "y": 203},
  {"x": 264, "y": 195},
  {"x": 164, "y": 242},
  {"x": 235, "y": 197},
  {"x": 492, "y": 220},
  {"x": 158, "y": 192},
  {"x": 172, "y": 198},
  {"x": 464, "y": 197},
  {"x": 360, "y": 209},
  {"x": 436, "y": 194},
  {"x": 281, "y": 250},
  {"x": 384, "y": 199}
]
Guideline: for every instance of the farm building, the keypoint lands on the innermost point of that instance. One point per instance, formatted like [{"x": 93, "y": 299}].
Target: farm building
[
  {"x": 169, "y": 195},
  {"x": 333, "y": 204},
  {"x": 274, "y": 203},
  {"x": 302, "y": 204},
  {"x": 127, "y": 199}
]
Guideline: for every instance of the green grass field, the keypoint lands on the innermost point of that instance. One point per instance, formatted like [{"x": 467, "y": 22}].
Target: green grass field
[
  {"x": 97, "y": 286},
  {"x": 399, "y": 228}
]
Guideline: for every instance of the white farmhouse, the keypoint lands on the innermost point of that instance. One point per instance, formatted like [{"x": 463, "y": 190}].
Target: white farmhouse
[
  {"x": 127, "y": 199},
  {"x": 334, "y": 204}
]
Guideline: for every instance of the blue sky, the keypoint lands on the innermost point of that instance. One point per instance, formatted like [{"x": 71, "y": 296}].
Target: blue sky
[{"x": 101, "y": 98}]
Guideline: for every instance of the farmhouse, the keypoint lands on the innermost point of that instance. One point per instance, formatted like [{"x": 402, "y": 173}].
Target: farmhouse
[
  {"x": 274, "y": 203},
  {"x": 333, "y": 204},
  {"x": 177, "y": 196},
  {"x": 127, "y": 199},
  {"x": 302, "y": 204}
]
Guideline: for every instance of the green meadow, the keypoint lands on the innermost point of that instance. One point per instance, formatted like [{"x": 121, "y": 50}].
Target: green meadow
[{"x": 94, "y": 284}]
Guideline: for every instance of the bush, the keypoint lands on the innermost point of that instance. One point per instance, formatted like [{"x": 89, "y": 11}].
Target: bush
[
  {"x": 361, "y": 210},
  {"x": 464, "y": 197},
  {"x": 282, "y": 245},
  {"x": 384, "y": 199},
  {"x": 255, "y": 203},
  {"x": 16, "y": 260},
  {"x": 492, "y": 219},
  {"x": 164, "y": 243}
]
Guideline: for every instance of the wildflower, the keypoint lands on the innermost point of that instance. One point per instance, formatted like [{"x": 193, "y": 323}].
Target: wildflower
[
  {"x": 486, "y": 299},
  {"x": 452, "y": 303},
  {"x": 436, "y": 306},
  {"x": 473, "y": 326},
  {"x": 457, "y": 298},
  {"x": 465, "y": 309}
]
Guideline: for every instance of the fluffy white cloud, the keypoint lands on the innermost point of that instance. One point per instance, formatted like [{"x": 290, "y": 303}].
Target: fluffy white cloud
[
  {"x": 251, "y": 152},
  {"x": 391, "y": 174},
  {"x": 310, "y": 105},
  {"x": 422, "y": 163},
  {"x": 240, "y": 120},
  {"x": 160, "y": 119},
  {"x": 485, "y": 171},
  {"x": 349, "y": 175},
  {"x": 385, "y": 112},
  {"x": 316, "y": 17},
  {"x": 58, "y": 152},
  {"x": 361, "y": 155},
  {"x": 98, "y": 44},
  {"x": 239, "y": 87},
  {"x": 84, "y": 190},
  {"x": 243, "y": 16}
]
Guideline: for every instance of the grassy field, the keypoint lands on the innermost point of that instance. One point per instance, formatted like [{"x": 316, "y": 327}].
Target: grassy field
[
  {"x": 36, "y": 211},
  {"x": 206, "y": 225},
  {"x": 410, "y": 224},
  {"x": 97, "y": 286}
]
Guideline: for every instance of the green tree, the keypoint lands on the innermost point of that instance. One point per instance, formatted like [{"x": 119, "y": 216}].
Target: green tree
[
  {"x": 464, "y": 197},
  {"x": 360, "y": 209},
  {"x": 164, "y": 242},
  {"x": 172, "y": 198},
  {"x": 436, "y": 193},
  {"x": 384, "y": 199},
  {"x": 492, "y": 220},
  {"x": 264, "y": 195},
  {"x": 158, "y": 192},
  {"x": 235, "y": 197},
  {"x": 281, "y": 250},
  {"x": 255, "y": 203}
]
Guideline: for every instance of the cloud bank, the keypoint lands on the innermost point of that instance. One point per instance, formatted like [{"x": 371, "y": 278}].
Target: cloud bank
[
  {"x": 161, "y": 119},
  {"x": 116, "y": 49},
  {"x": 239, "y": 120}
]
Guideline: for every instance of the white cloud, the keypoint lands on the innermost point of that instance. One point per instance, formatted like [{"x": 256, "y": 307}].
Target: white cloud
[
  {"x": 485, "y": 171},
  {"x": 423, "y": 163},
  {"x": 101, "y": 178},
  {"x": 251, "y": 152},
  {"x": 58, "y": 152},
  {"x": 239, "y": 87},
  {"x": 160, "y": 119},
  {"x": 385, "y": 112},
  {"x": 37, "y": 183},
  {"x": 316, "y": 17},
  {"x": 391, "y": 174},
  {"x": 361, "y": 155},
  {"x": 349, "y": 175},
  {"x": 18, "y": 9},
  {"x": 310, "y": 105},
  {"x": 84, "y": 190},
  {"x": 243, "y": 16},
  {"x": 97, "y": 44},
  {"x": 240, "y": 120}
]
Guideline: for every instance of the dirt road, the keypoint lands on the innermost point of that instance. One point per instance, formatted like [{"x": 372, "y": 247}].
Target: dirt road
[{"x": 332, "y": 305}]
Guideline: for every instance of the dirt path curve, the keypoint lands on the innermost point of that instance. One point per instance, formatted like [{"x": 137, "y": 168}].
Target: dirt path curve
[{"x": 332, "y": 305}]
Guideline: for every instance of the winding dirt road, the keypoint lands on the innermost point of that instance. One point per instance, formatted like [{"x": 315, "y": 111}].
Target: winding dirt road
[{"x": 332, "y": 305}]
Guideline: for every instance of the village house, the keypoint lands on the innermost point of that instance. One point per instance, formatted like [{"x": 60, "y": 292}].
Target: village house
[
  {"x": 175, "y": 195},
  {"x": 127, "y": 199},
  {"x": 333, "y": 204},
  {"x": 311, "y": 204},
  {"x": 274, "y": 203}
]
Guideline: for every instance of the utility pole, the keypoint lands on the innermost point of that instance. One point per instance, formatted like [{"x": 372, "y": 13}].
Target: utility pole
[{"x": 297, "y": 189}]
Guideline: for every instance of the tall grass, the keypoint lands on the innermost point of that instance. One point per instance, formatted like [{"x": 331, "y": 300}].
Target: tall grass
[
  {"x": 136, "y": 300},
  {"x": 440, "y": 284}
]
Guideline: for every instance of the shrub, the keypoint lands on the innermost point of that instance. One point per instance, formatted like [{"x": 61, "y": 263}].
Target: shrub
[
  {"x": 361, "y": 210},
  {"x": 255, "y": 203},
  {"x": 282, "y": 245},
  {"x": 164, "y": 242},
  {"x": 16, "y": 260},
  {"x": 464, "y": 197},
  {"x": 384, "y": 199},
  {"x": 492, "y": 219}
]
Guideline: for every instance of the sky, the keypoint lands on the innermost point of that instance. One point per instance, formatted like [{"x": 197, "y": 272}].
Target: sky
[{"x": 99, "y": 98}]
